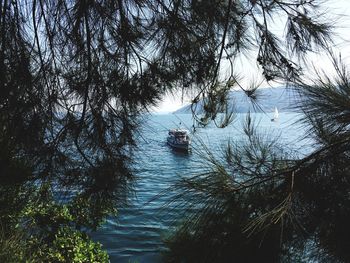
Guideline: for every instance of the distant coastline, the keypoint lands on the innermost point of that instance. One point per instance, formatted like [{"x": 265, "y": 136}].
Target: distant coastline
[{"x": 285, "y": 99}]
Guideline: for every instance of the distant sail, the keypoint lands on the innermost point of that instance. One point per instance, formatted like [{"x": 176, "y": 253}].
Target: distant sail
[{"x": 275, "y": 115}]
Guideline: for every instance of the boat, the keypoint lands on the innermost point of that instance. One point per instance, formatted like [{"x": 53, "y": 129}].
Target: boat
[
  {"x": 179, "y": 139},
  {"x": 275, "y": 115}
]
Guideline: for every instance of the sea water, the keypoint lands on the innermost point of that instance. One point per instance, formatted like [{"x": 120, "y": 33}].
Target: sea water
[{"x": 136, "y": 234}]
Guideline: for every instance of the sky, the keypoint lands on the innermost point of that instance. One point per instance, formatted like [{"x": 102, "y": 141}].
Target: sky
[{"x": 338, "y": 10}]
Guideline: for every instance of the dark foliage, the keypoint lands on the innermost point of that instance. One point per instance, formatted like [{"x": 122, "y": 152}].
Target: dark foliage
[
  {"x": 260, "y": 200},
  {"x": 76, "y": 76}
]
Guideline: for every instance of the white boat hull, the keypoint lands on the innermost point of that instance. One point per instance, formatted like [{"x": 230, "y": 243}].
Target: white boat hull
[
  {"x": 179, "y": 146},
  {"x": 179, "y": 139}
]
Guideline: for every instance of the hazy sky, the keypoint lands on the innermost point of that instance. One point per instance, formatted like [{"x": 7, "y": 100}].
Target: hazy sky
[{"x": 338, "y": 10}]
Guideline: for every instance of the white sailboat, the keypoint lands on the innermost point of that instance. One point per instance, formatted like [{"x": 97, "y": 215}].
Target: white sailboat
[{"x": 275, "y": 115}]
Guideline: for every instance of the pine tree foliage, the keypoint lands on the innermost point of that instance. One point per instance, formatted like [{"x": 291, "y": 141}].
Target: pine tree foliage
[
  {"x": 260, "y": 200},
  {"x": 76, "y": 76}
]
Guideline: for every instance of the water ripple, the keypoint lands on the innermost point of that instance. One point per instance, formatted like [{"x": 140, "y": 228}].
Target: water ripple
[{"x": 135, "y": 235}]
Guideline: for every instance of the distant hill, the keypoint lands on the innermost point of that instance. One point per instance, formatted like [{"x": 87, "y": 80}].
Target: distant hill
[{"x": 268, "y": 98}]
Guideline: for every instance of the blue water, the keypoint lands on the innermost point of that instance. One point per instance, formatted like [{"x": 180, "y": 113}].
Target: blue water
[{"x": 136, "y": 234}]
